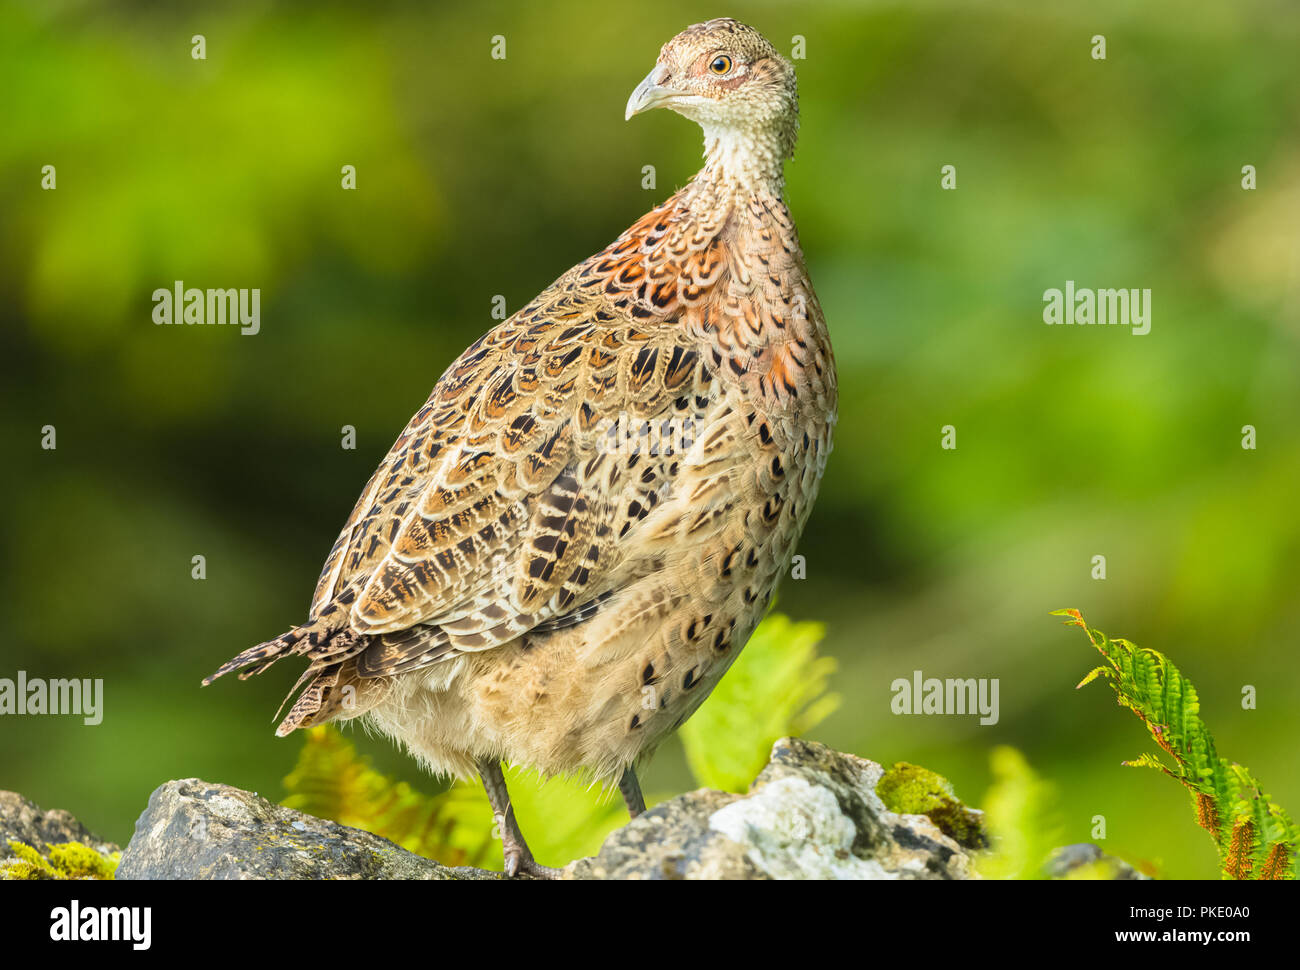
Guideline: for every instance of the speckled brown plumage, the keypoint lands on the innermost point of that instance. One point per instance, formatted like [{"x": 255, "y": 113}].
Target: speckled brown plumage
[{"x": 528, "y": 576}]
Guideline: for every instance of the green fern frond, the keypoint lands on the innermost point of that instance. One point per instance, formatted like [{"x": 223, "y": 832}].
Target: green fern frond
[
  {"x": 331, "y": 781},
  {"x": 1022, "y": 817},
  {"x": 564, "y": 818},
  {"x": 1255, "y": 837}
]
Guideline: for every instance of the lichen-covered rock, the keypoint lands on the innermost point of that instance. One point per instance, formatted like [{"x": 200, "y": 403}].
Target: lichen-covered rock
[
  {"x": 22, "y": 820},
  {"x": 813, "y": 813},
  {"x": 49, "y": 845},
  {"x": 195, "y": 830},
  {"x": 671, "y": 841}
]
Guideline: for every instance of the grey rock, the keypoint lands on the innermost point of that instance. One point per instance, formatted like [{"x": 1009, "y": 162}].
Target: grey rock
[
  {"x": 671, "y": 841},
  {"x": 195, "y": 830},
  {"x": 1071, "y": 861},
  {"x": 23, "y": 821},
  {"x": 812, "y": 813}
]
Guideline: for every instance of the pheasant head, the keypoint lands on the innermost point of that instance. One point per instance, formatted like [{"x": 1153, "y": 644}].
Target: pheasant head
[{"x": 726, "y": 77}]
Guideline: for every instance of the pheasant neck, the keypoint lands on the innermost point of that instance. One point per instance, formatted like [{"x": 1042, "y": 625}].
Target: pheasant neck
[{"x": 746, "y": 161}]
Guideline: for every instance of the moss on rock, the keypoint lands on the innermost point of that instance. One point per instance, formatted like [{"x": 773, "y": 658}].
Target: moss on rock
[
  {"x": 909, "y": 789},
  {"x": 66, "y": 860}
]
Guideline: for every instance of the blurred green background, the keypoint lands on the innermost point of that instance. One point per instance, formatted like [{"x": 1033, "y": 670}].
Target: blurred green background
[{"x": 479, "y": 177}]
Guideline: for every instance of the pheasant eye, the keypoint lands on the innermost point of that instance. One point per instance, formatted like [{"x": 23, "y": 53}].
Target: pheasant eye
[{"x": 721, "y": 64}]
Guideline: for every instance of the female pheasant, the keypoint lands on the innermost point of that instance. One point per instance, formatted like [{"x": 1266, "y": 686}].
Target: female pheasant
[{"x": 573, "y": 538}]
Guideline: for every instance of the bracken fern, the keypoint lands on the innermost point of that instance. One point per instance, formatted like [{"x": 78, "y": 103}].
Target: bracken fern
[{"x": 1255, "y": 837}]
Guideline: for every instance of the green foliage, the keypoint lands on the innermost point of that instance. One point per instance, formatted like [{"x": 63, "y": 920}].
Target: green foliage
[
  {"x": 776, "y": 688},
  {"x": 498, "y": 182},
  {"x": 1255, "y": 837},
  {"x": 1022, "y": 818},
  {"x": 66, "y": 860},
  {"x": 331, "y": 781},
  {"x": 454, "y": 826}
]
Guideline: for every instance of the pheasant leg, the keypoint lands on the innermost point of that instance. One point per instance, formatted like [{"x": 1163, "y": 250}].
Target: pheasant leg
[
  {"x": 518, "y": 857},
  {"x": 631, "y": 791}
]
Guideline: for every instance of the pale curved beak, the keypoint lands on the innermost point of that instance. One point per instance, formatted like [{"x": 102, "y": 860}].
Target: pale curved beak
[{"x": 650, "y": 93}]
